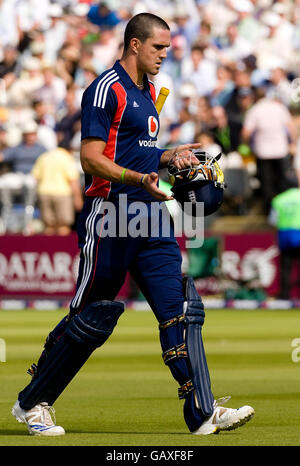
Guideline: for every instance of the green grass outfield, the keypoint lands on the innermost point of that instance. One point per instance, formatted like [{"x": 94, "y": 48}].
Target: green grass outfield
[{"x": 125, "y": 396}]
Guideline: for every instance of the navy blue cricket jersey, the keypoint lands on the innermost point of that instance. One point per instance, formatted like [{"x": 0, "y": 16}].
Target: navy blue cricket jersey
[{"x": 125, "y": 117}]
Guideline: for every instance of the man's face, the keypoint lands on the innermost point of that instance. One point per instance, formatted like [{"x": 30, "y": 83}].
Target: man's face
[
  {"x": 196, "y": 57},
  {"x": 153, "y": 51},
  {"x": 30, "y": 138}
]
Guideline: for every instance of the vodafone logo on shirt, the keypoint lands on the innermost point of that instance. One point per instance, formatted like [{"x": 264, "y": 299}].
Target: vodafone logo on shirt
[
  {"x": 152, "y": 131},
  {"x": 152, "y": 126}
]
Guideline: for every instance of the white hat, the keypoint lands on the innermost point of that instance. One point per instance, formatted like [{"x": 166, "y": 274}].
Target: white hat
[
  {"x": 180, "y": 11},
  {"x": 37, "y": 47},
  {"x": 81, "y": 9},
  {"x": 270, "y": 18},
  {"x": 30, "y": 127},
  {"x": 242, "y": 6},
  {"x": 187, "y": 89},
  {"x": 280, "y": 8},
  {"x": 32, "y": 63},
  {"x": 47, "y": 65},
  {"x": 55, "y": 10},
  {"x": 275, "y": 62},
  {"x": 113, "y": 4}
]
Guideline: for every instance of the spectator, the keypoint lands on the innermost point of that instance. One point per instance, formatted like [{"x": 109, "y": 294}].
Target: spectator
[
  {"x": 53, "y": 91},
  {"x": 106, "y": 50},
  {"x": 3, "y": 145},
  {"x": 244, "y": 99},
  {"x": 206, "y": 138},
  {"x": 274, "y": 45},
  {"x": 69, "y": 123},
  {"x": 32, "y": 14},
  {"x": 86, "y": 60},
  {"x": 9, "y": 65},
  {"x": 235, "y": 47},
  {"x": 279, "y": 85},
  {"x": 223, "y": 88},
  {"x": 188, "y": 101},
  {"x": 43, "y": 113},
  {"x": 174, "y": 132},
  {"x": 225, "y": 134},
  {"x": 204, "y": 116},
  {"x": 46, "y": 134},
  {"x": 219, "y": 15},
  {"x": 9, "y": 32},
  {"x": 249, "y": 27},
  {"x": 20, "y": 181},
  {"x": 269, "y": 127},
  {"x": 285, "y": 215},
  {"x": 241, "y": 78},
  {"x": 37, "y": 47},
  {"x": 3, "y": 141},
  {"x": 67, "y": 63},
  {"x": 85, "y": 75},
  {"x": 286, "y": 28},
  {"x": 103, "y": 16},
  {"x": 58, "y": 189},
  {"x": 174, "y": 63},
  {"x": 186, "y": 20},
  {"x": 205, "y": 36},
  {"x": 295, "y": 13},
  {"x": 55, "y": 35},
  {"x": 200, "y": 71},
  {"x": 20, "y": 92},
  {"x": 23, "y": 156}
]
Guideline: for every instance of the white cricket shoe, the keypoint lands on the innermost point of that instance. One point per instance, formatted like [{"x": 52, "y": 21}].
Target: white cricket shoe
[
  {"x": 38, "y": 419},
  {"x": 225, "y": 419}
]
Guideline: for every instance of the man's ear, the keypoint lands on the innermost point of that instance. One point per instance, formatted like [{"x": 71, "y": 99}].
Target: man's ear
[{"x": 135, "y": 44}]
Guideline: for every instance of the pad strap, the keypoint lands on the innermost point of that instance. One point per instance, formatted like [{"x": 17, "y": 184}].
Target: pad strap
[
  {"x": 171, "y": 322},
  {"x": 185, "y": 389},
  {"x": 178, "y": 351}
]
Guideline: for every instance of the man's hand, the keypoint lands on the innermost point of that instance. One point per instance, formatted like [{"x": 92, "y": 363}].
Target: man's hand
[
  {"x": 181, "y": 156},
  {"x": 150, "y": 185}
]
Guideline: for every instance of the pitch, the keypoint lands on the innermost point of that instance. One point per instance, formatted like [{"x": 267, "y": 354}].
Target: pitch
[{"x": 125, "y": 396}]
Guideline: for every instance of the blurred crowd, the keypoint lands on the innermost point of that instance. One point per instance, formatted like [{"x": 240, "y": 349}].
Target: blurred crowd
[{"x": 232, "y": 70}]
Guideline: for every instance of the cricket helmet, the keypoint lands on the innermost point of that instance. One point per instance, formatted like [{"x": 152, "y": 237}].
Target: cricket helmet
[{"x": 201, "y": 183}]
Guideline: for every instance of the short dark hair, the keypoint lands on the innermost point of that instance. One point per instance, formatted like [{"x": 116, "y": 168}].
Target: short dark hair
[
  {"x": 141, "y": 26},
  {"x": 198, "y": 46}
]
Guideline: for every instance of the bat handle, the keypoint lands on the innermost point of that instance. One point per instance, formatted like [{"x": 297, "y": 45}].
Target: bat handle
[{"x": 163, "y": 94}]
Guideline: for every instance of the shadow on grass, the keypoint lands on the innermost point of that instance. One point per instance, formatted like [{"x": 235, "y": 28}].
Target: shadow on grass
[
  {"x": 4, "y": 432},
  {"x": 113, "y": 432},
  {"x": 11, "y": 432},
  {"x": 185, "y": 434}
]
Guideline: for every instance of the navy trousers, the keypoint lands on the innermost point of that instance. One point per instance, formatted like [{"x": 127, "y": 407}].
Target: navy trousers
[
  {"x": 153, "y": 258},
  {"x": 153, "y": 261}
]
